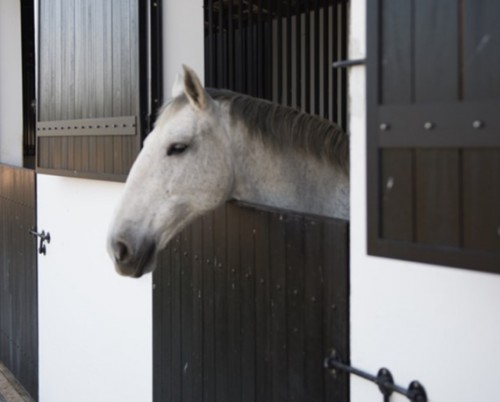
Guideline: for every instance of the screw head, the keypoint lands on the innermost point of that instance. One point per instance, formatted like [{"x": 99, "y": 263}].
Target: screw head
[
  {"x": 477, "y": 124},
  {"x": 384, "y": 126},
  {"x": 390, "y": 183},
  {"x": 428, "y": 125}
]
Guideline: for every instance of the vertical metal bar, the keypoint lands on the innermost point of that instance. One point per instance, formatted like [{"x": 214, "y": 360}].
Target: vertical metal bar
[
  {"x": 317, "y": 66},
  {"x": 211, "y": 56},
  {"x": 268, "y": 45},
  {"x": 230, "y": 44},
  {"x": 343, "y": 71},
  {"x": 288, "y": 53},
  {"x": 242, "y": 58},
  {"x": 327, "y": 65},
  {"x": 156, "y": 57},
  {"x": 307, "y": 57},
  {"x": 221, "y": 76},
  {"x": 260, "y": 52},
  {"x": 335, "y": 53},
  {"x": 298, "y": 55},
  {"x": 250, "y": 47},
  {"x": 280, "y": 52}
]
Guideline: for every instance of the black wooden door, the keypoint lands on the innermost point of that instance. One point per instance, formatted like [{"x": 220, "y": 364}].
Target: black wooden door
[
  {"x": 18, "y": 276},
  {"x": 433, "y": 131},
  {"x": 92, "y": 92},
  {"x": 247, "y": 302}
]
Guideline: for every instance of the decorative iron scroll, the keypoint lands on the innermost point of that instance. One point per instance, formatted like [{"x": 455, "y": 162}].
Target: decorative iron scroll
[
  {"x": 125, "y": 125},
  {"x": 384, "y": 380}
]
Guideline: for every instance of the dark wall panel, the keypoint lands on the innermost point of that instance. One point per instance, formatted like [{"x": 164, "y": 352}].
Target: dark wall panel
[
  {"x": 396, "y": 52},
  {"x": 18, "y": 276},
  {"x": 436, "y": 50},
  {"x": 397, "y": 192},
  {"x": 481, "y": 58},
  {"x": 273, "y": 286},
  {"x": 438, "y": 196},
  {"x": 481, "y": 172}
]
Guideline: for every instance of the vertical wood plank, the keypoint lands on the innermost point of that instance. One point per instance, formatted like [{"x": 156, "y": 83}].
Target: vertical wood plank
[
  {"x": 177, "y": 368},
  {"x": 396, "y": 52},
  {"x": 162, "y": 328},
  {"x": 481, "y": 169},
  {"x": 187, "y": 300},
  {"x": 481, "y": 50},
  {"x": 221, "y": 300},
  {"x": 279, "y": 344},
  {"x": 198, "y": 306},
  {"x": 262, "y": 305},
  {"x": 336, "y": 304},
  {"x": 437, "y": 202},
  {"x": 208, "y": 310},
  {"x": 436, "y": 50},
  {"x": 313, "y": 311},
  {"x": 233, "y": 305},
  {"x": 295, "y": 308},
  {"x": 247, "y": 264},
  {"x": 397, "y": 194}
]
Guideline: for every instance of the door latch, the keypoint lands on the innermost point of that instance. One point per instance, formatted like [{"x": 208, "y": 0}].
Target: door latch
[{"x": 44, "y": 237}]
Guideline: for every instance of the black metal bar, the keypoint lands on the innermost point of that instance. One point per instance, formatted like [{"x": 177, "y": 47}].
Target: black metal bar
[
  {"x": 288, "y": 53},
  {"x": 268, "y": 45},
  {"x": 211, "y": 47},
  {"x": 343, "y": 73},
  {"x": 298, "y": 56},
  {"x": 307, "y": 58},
  {"x": 348, "y": 63},
  {"x": 335, "y": 55},
  {"x": 221, "y": 76},
  {"x": 317, "y": 66},
  {"x": 156, "y": 58},
  {"x": 260, "y": 52},
  {"x": 415, "y": 391},
  {"x": 326, "y": 66},
  {"x": 279, "y": 48},
  {"x": 230, "y": 44}
]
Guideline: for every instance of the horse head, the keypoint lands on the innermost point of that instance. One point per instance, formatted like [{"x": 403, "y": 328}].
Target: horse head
[{"x": 181, "y": 172}]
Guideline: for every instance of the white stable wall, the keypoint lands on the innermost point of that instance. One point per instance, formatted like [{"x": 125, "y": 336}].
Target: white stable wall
[
  {"x": 95, "y": 327},
  {"x": 435, "y": 324},
  {"x": 11, "y": 89}
]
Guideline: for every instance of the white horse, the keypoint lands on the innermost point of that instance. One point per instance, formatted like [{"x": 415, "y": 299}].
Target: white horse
[{"x": 209, "y": 146}]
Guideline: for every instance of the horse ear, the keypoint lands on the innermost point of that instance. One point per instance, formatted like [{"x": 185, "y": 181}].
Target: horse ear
[
  {"x": 193, "y": 89},
  {"x": 178, "y": 87}
]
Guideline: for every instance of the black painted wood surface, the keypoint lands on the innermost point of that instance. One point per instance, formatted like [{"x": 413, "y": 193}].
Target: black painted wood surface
[
  {"x": 433, "y": 131},
  {"x": 18, "y": 276},
  {"x": 247, "y": 302}
]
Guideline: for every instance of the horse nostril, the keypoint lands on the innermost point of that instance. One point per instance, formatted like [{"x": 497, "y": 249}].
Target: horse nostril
[{"x": 121, "y": 251}]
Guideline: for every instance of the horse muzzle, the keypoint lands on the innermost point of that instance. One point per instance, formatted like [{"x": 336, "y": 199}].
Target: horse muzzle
[{"x": 133, "y": 261}]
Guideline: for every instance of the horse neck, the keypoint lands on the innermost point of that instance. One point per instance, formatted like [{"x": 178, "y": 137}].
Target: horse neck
[{"x": 290, "y": 180}]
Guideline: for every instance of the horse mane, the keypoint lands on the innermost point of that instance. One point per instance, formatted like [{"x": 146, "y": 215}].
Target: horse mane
[{"x": 283, "y": 127}]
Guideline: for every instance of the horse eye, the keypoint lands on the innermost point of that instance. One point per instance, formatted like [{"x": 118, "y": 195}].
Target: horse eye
[{"x": 176, "y": 149}]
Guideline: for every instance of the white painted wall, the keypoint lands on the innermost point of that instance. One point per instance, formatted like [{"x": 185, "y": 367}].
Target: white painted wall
[
  {"x": 11, "y": 90},
  {"x": 435, "y": 324},
  {"x": 183, "y": 40},
  {"x": 95, "y": 327}
]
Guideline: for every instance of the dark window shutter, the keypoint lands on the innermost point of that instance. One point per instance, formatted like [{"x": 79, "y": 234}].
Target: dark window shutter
[
  {"x": 92, "y": 87},
  {"x": 434, "y": 131}
]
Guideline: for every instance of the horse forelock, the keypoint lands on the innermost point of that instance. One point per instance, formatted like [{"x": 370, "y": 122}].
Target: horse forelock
[{"x": 283, "y": 127}]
